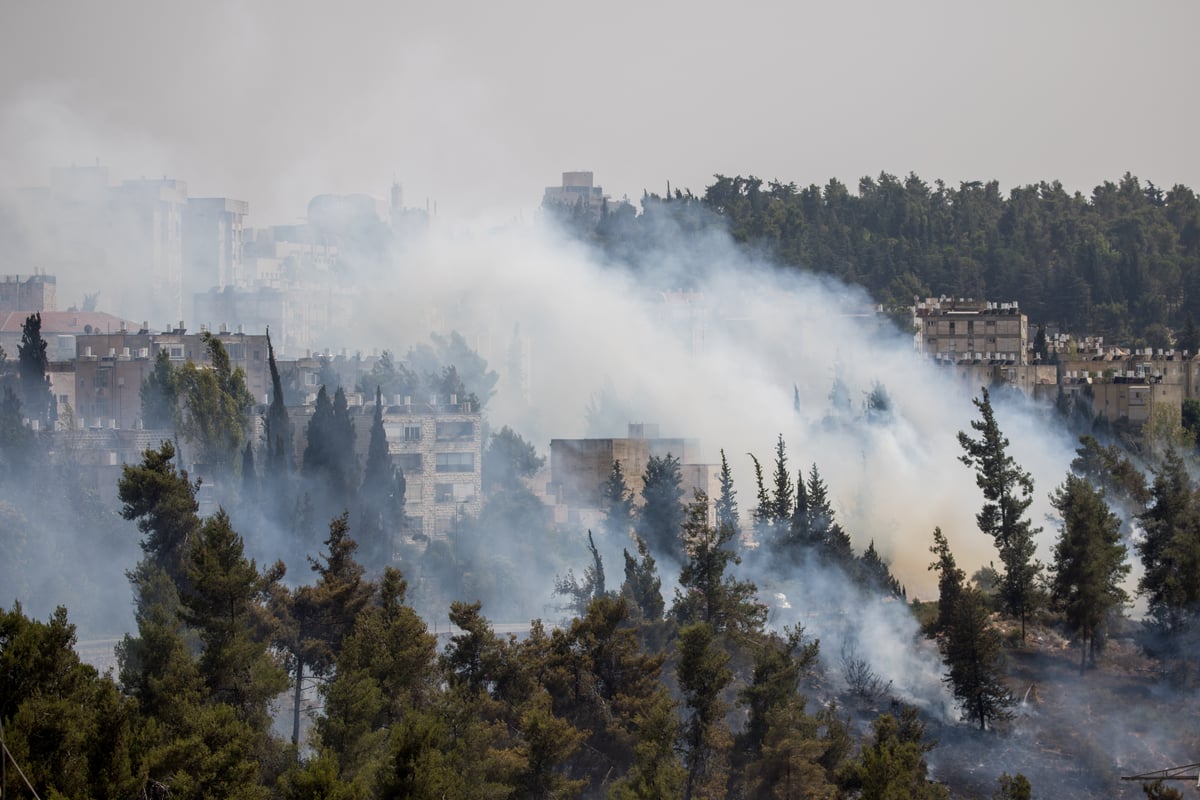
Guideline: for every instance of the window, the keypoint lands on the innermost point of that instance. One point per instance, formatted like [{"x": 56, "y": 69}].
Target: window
[
  {"x": 236, "y": 351},
  {"x": 412, "y": 433},
  {"x": 455, "y": 462},
  {"x": 454, "y": 493},
  {"x": 455, "y": 431},
  {"x": 310, "y": 379},
  {"x": 409, "y": 462},
  {"x": 175, "y": 351}
]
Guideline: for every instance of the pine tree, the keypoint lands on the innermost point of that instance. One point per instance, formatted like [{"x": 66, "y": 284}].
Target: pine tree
[
  {"x": 163, "y": 502},
  {"x": 660, "y": 521},
  {"x": 1008, "y": 493},
  {"x": 875, "y": 576},
  {"x": 225, "y": 602},
  {"x": 831, "y": 541},
  {"x": 385, "y": 673},
  {"x": 726, "y": 506},
  {"x": 781, "y": 501},
  {"x": 764, "y": 508},
  {"x": 316, "y": 619},
  {"x": 616, "y": 501},
  {"x": 892, "y": 764},
  {"x": 707, "y": 593},
  {"x": 1089, "y": 564},
  {"x": 975, "y": 662},
  {"x": 642, "y": 587},
  {"x": 1170, "y": 554},
  {"x": 780, "y": 661},
  {"x": 215, "y": 406},
  {"x": 601, "y": 682},
  {"x": 67, "y": 729},
  {"x": 950, "y": 583},
  {"x": 703, "y": 675}
]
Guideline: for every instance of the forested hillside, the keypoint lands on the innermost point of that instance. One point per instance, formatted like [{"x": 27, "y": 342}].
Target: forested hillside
[{"x": 1122, "y": 262}]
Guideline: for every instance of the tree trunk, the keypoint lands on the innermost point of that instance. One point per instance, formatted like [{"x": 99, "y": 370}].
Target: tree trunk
[{"x": 296, "y": 706}]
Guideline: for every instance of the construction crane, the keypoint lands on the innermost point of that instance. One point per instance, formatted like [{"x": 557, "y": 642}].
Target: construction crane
[{"x": 1188, "y": 772}]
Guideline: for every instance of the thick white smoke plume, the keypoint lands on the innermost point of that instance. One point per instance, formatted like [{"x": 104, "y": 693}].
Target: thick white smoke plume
[{"x": 737, "y": 355}]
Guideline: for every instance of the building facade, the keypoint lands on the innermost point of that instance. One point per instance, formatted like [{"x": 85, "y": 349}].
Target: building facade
[{"x": 972, "y": 330}]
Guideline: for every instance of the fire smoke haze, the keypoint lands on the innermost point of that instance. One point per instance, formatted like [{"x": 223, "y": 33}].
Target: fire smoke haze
[{"x": 477, "y": 106}]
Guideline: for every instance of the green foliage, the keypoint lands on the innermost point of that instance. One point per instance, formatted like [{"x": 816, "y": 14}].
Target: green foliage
[
  {"x": 1013, "y": 787},
  {"x": 225, "y": 602},
  {"x": 277, "y": 427},
  {"x": 1008, "y": 493},
  {"x": 508, "y": 460},
  {"x": 707, "y": 592},
  {"x": 975, "y": 662},
  {"x": 950, "y": 583},
  {"x": 160, "y": 394},
  {"x": 33, "y": 367},
  {"x": 330, "y": 463},
  {"x": 781, "y": 500},
  {"x": 726, "y": 506},
  {"x": 162, "y": 500},
  {"x": 660, "y": 521},
  {"x": 1170, "y": 554},
  {"x": 69, "y": 730},
  {"x": 703, "y": 675},
  {"x": 603, "y": 685},
  {"x": 892, "y": 764},
  {"x": 581, "y": 593},
  {"x": 381, "y": 497},
  {"x": 385, "y": 672},
  {"x": 780, "y": 661},
  {"x": 616, "y": 501},
  {"x": 16, "y": 440},
  {"x": 820, "y": 525},
  {"x": 215, "y": 406},
  {"x": 1089, "y": 563},
  {"x": 642, "y": 587},
  {"x": 1111, "y": 470}
]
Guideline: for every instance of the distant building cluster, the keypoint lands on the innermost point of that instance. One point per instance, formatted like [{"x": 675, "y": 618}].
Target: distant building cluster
[
  {"x": 988, "y": 344},
  {"x": 578, "y": 195},
  {"x": 195, "y": 258}
]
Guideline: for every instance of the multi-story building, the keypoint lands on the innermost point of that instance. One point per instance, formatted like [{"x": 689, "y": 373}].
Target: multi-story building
[
  {"x": 31, "y": 293},
  {"x": 111, "y": 367},
  {"x": 149, "y": 224},
  {"x": 212, "y": 243},
  {"x": 578, "y": 193},
  {"x": 438, "y": 445},
  {"x": 972, "y": 330},
  {"x": 579, "y": 468}
]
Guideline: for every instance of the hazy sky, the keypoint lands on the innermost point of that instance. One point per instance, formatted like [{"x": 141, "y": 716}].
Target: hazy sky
[{"x": 479, "y": 105}]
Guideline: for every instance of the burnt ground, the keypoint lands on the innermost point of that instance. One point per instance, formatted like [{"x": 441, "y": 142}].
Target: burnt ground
[{"x": 1071, "y": 735}]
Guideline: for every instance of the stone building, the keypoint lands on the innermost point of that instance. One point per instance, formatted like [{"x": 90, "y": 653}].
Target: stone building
[
  {"x": 956, "y": 330},
  {"x": 579, "y": 468}
]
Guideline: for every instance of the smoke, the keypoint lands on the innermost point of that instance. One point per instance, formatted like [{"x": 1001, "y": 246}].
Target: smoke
[{"x": 723, "y": 361}]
